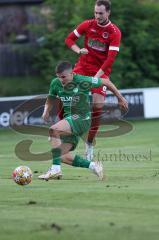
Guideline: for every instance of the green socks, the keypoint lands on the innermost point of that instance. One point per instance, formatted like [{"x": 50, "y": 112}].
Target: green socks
[
  {"x": 56, "y": 154},
  {"x": 80, "y": 162},
  {"x": 77, "y": 161}
]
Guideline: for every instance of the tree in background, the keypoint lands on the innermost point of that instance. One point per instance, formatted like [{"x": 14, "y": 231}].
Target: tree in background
[
  {"x": 60, "y": 19},
  {"x": 137, "y": 63}
]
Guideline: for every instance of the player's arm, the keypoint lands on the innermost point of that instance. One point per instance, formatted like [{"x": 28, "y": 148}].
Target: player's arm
[
  {"x": 47, "y": 108},
  {"x": 49, "y": 101},
  {"x": 108, "y": 63},
  {"x": 112, "y": 53},
  {"x": 121, "y": 100},
  {"x": 71, "y": 39}
]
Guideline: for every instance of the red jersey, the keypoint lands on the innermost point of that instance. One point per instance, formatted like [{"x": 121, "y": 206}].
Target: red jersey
[{"x": 102, "y": 43}]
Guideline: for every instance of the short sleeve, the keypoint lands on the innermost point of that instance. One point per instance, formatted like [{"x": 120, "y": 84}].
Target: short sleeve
[
  {"x": 82, "y": 28},
  {"x": 96, "y": 82},
  {"x": 93, "y": 81},
  {"x": 52, "y": 90}
]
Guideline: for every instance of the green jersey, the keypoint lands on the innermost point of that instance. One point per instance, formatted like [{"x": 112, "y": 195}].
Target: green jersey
[{"x": 75, "y": 94}]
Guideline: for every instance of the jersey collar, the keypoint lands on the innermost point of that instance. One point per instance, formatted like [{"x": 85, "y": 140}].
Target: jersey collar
[{"x": 106, "y": 25}]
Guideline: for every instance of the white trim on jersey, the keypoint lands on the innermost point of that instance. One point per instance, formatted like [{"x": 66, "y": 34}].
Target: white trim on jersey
[
  {"x": 76, "y": 33},
  {"x": 114, "y": 48},
  {"x": 95, "y": 80}
]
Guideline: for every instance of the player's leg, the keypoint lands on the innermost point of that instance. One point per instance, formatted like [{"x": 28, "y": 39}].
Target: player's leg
[
  {"x": 98, "y": 99},
  {"x": 97, "y": 109},
  {"x": 54, "y": 172},
  {"x": 62, "y": 131},
  {"x": 80, "y": 127},
  {"x": 62, "y": 128},
  {"x": 78, "y": 161},
  {"x": 62, "y": 141}
]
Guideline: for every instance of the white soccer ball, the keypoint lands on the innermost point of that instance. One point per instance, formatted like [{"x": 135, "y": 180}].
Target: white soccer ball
[{"x": 22, "y": 175}]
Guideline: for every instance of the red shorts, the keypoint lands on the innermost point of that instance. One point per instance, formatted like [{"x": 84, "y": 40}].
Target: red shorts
[{"x": 87, "y": 72}]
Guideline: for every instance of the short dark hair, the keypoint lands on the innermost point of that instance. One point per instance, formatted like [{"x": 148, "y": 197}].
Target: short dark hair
[
  {"x": 62, "y": 66},
  {"x": 106, "y": 3}
]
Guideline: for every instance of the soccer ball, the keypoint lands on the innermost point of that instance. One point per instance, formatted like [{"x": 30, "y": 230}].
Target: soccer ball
[{"x": 22, "y": 175}]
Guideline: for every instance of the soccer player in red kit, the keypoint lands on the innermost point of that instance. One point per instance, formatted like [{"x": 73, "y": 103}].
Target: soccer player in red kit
[{"x": 101, "y": 45}]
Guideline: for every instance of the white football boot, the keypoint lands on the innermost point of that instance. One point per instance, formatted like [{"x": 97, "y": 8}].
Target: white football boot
[
  {"x": 51, "y": 174},
  {"x": 89, "y": 151},
  {"x": 97, "y": 168}
]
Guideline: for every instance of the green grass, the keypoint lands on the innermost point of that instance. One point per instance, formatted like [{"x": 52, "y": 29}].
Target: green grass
[{"x": 126, "y": 206}]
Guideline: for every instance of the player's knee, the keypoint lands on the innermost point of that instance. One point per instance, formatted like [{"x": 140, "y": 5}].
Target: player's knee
[{"x": 53, "y": 132}]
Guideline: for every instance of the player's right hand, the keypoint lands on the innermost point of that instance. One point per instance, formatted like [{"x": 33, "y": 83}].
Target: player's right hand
[{"x": 83, "y": 51}]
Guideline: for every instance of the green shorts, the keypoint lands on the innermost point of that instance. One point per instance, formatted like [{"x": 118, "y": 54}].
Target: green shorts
[{"x": 79, "y": 126}]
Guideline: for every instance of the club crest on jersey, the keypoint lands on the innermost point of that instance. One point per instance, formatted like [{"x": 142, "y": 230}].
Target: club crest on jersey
[
  {"x": 75, "y": 90},
  {"x": 85, "y": 86},
  {"x": 105, "y": 35},
  {"x": 70, "y": 86},
  {"x": 75, "y": 116}
]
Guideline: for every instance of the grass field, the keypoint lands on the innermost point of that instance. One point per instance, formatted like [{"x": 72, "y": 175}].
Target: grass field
[{"x": 126, "y": 206}]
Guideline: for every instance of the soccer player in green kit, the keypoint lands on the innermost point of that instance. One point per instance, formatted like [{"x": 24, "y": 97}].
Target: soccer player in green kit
[{"x": 73, "y": 90}]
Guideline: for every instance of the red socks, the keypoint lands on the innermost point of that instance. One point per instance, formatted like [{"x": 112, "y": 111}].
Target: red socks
[{"x": 95, "y": 123}]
